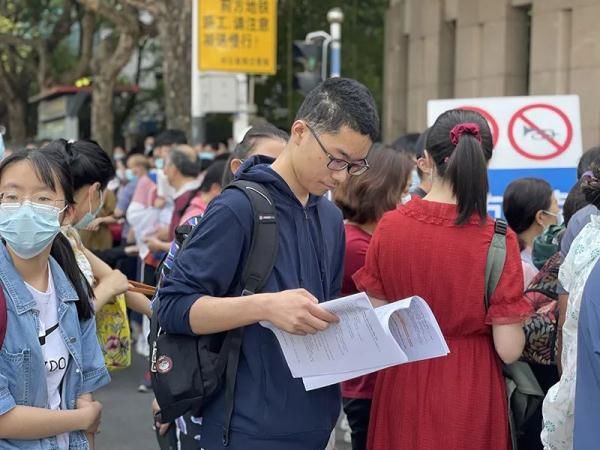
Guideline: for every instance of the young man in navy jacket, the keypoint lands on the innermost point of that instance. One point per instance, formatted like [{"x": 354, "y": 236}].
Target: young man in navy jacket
[{"x": 330, "y": 140}]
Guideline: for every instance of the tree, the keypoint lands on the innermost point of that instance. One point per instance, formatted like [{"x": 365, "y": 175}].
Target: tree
[
  {"x": 173, "y": 21},
  {"x": 113, "y": 53},
  {"x": 362, "y": 50},
  {"x": 30, "y": 31}
]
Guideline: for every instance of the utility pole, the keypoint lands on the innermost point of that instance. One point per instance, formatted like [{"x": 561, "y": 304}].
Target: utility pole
[{"x": 335, "y": 17}]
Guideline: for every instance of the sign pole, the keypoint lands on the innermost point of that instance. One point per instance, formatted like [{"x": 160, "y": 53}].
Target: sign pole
[{"x": 198, "y": 131}]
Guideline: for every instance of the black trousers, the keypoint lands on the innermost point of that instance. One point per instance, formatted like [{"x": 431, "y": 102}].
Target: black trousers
[{"x": 358, "y": 411}]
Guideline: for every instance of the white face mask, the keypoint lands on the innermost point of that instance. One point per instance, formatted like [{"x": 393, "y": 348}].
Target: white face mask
[{"x": 559, "y": 217}]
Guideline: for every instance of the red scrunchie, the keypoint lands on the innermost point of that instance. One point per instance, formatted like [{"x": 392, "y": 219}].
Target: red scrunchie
[{"x": 464, "y": 128}]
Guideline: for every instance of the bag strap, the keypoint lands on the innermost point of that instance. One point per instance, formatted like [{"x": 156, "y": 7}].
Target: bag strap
[
  {"x": 3, "y": 316},
  {"x": 495, "y": 260},
  {"x": 259, "y": 265},
  {"x": 191, "y": 195},
  {"x": 265, "y": 239}
]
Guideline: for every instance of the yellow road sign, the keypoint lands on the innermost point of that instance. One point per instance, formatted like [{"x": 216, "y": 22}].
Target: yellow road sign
[{"x": 237, "y": 36}]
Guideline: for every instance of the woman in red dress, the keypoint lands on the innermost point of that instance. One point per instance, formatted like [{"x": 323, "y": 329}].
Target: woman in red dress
[
  {"x": 436, "y": 248},
  {"x": 363, "y": 200}
]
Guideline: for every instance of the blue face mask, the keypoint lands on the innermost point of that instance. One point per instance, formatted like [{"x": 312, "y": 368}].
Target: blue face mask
[
  {"x": 29, "y": 228},
  {"x": 159, "y": 163},
  {"x": 206, "y": 155},
  {"x": 129, "y": 175},
  {"x": 90, "y": 216}
]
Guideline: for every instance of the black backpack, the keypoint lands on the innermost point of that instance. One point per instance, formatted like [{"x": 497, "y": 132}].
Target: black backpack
[{"x": 188, "y": 371}]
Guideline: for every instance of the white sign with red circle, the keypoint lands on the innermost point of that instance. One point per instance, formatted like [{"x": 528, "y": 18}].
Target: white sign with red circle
[
  {"x": 528, "y": 132},
  {"x": 540, "y": 142}
]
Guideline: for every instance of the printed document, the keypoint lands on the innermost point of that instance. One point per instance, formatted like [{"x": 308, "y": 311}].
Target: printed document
[{"x": 365, "y": 340}]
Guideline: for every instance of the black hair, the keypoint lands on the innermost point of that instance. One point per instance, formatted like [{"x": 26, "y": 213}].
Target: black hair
[
  {"x": 88, "y": 162},
  {"x": 51, "y": 168},
  {"x": 250, "y": 139},
  {"x": 222, "y": 156},
  {"x": 407, "y": 143},
  {"x": 188, "y": 167},
  {"x": 249, "y": 143},
  {"x": 463, "y": 165},
  {"x": 590, "y": 186},
  {"x": 589, "y": 158},
  {"x": 523, "y": 199},
  {"x": 338, "y": 102},
  {"x": 214, "y": 174},
  {"x": 575, "y": 201},
  {"x": 170, "y": 137}
]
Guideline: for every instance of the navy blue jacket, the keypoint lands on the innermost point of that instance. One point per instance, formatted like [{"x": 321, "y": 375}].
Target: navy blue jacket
[{"x": 272, "y": 409}]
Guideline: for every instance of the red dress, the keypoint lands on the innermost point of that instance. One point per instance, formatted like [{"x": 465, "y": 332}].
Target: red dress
[
  {"x": 357, "y": 243},
  {"x": 456, "y": 402}
]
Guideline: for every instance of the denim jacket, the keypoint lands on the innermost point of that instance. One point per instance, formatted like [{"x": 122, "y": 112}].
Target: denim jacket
[{"x": 22, "y": 369}]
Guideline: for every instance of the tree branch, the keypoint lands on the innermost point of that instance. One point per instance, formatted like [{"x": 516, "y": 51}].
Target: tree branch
[
  {"x": 61, "y": 27},
  {"x": 13, "y": 39},
  {"x": 154, "y": 7},
  {"x": 86, "y": 44},
  {"x": 110, "y": 66},
  {"x": 125, "y": 20}
]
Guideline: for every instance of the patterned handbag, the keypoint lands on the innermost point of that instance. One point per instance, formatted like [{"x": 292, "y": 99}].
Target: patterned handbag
[
  {"x": 541, "y": 328},
  {"x": 114, "y": 335}
]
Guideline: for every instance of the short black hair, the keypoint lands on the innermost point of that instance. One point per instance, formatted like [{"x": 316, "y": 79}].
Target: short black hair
[
  {"x": 338, "y": 102},
  {"x": 523, "y": 199},
  {"x": 170, "y": 137},
  {"x": 248, "y": 143},
  {"x": 213, "y": 175},
  {"x": 184, "y": 164},
  {"x": 407, "y": 143}
]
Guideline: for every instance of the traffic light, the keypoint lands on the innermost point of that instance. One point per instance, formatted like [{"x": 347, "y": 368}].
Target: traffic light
[{"x": 308, "y": 59}]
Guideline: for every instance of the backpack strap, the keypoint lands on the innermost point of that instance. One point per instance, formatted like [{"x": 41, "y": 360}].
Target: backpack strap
[
  {"x": 3, "y": 316},
  {"x": 495, "y": 260},
  {"x": 265, "y": 239},
  {"x": 257, "y": 268}
]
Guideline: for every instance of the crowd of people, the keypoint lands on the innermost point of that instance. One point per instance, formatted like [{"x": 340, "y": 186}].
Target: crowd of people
[{"x": 81, "y": 229}]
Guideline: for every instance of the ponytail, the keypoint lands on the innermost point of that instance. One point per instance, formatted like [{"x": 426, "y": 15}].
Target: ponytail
[
  {"x": 62, "y": 252},
  {"x": 460, "y": 145},
  {"x": 466, "y": 171}
]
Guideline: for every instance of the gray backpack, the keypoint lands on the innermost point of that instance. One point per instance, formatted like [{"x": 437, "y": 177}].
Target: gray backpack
[{"x": 524, "y": 393}]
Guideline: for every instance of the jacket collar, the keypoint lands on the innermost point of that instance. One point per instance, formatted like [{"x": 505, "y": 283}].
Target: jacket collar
[{"x": 18, "y": 294}]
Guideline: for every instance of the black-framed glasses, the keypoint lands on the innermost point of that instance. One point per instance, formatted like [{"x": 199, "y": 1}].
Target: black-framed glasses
[{"x": 354, "y": 168}]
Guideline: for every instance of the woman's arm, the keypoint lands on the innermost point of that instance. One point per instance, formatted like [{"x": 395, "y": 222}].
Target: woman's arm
[
  {"x": 509, "y": 341},
  {"x": 109, "y": 282},
  {"x": 112, "y": 282},
  {"x": 27, "y": 422},
  {"x": 139, "y": 303}
]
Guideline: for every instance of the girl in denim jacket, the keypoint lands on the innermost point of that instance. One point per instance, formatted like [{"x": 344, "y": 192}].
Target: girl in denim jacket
[{"x": 50, "y": 361}]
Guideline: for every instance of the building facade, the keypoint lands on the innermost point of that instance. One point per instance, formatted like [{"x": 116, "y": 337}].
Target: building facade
[{"x": 484, "y": 48}]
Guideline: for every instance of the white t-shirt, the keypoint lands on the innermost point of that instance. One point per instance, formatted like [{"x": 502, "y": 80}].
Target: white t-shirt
[
  {"x": 56, "y": 354},
  {"x": 163, "y": 188}
]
